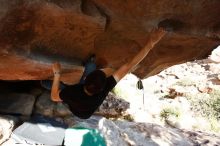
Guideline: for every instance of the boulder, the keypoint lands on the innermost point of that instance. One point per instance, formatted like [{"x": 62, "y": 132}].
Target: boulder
[
  {"x": 125, "y": 133},
  {"x": 46, "y": 107},
  {"x": 7, "y": 124},
  {"x": 215, "y": 55},
  {"x": 17, "y": 103},
  {"x": 113, "y": 106},
  {"x": 34, "y": 34}
]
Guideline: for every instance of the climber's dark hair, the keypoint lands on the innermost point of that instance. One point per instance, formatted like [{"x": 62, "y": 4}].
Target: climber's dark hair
[{"x": 95, "y": 82}]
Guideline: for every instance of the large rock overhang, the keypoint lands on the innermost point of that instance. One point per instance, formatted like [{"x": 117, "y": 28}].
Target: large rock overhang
[{"x": 35, "y": 33}]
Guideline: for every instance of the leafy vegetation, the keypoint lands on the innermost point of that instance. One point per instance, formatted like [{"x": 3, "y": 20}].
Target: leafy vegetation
[
  {"x": 169, "y": 111},
  {"x": 215, "y": 103},
  {"x": 215, "y": 126},
  {"x": 208, "y": 106},
  {"x": 205, "y": 104},
  {"x": 185, "y": 82}
]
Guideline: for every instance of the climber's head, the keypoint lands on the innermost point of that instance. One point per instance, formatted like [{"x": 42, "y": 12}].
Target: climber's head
[{"x": 95, "y": 82}]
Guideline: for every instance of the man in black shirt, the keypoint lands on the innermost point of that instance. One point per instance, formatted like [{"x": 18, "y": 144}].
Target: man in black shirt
[{"x": 84, "y": 99}]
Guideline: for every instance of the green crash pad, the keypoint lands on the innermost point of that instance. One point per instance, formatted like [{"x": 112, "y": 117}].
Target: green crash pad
[{"x": 80, "y": 136}]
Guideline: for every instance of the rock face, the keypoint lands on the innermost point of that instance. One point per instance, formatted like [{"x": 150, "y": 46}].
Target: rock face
[{"x": 33, "y": 34}]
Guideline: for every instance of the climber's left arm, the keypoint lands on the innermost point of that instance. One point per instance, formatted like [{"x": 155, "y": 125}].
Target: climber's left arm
[{"x": 155, "y": 37}]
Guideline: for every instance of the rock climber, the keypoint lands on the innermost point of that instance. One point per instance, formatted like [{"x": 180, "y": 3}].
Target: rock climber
[{"x": 85, "y": 97}]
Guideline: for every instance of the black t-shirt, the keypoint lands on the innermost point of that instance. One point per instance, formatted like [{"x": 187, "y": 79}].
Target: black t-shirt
[{"x": 81, "y": 104}]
